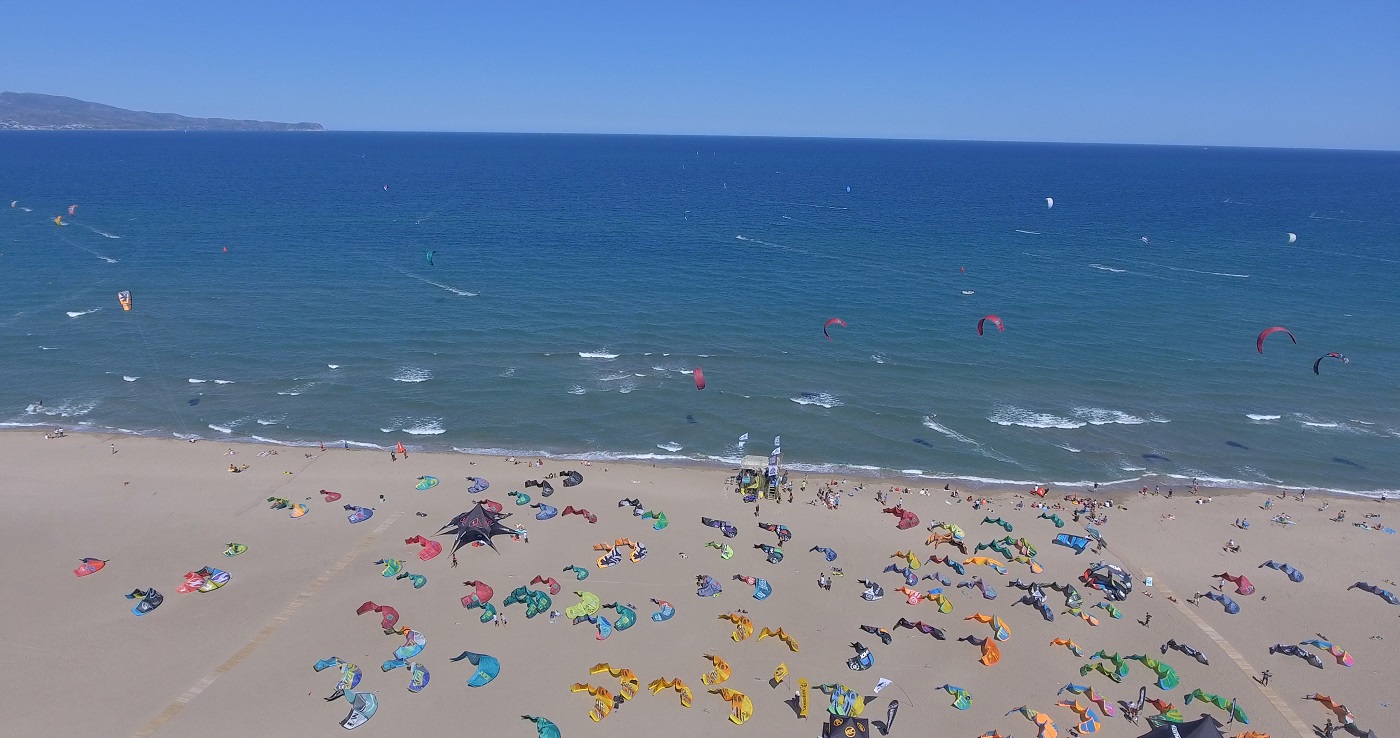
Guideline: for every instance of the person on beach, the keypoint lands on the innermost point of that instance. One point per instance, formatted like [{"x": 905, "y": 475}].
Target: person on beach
[
  {"x": 1264, "y": 677},
  {"x": 1147, "y": 620},
  {"x": 393, "y": 456}
]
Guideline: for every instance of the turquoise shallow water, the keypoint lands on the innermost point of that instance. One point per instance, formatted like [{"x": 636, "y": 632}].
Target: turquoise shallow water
[{"x": 577, "y": 280}]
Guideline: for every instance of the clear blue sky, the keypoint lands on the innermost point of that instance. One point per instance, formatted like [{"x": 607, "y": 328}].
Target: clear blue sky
[{"x": 1252, "y": 73}]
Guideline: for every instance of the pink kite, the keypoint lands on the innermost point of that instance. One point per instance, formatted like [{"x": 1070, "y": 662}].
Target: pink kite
[
  {"x": 330, "y": 496},
  {"x": 492, "y": 506},
  {"x": 1241, "y": 582},
  {"x": 699, "y": 378},
  {"x": 551, "y": 581},
  {"x": 996, "y": 321},
  {"x": 831, "y": 322},
  {"x": 480, "y": 596},
  {"x": 1259, "y": 343},
  {"x": 390, "y": 615},
  {"x": 430, "y": 548},
  {"x": 907, "y": 518},
  {"x": 571, "y": 510}
]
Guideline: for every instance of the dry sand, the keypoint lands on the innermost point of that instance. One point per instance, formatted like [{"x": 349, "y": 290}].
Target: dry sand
[{"x": 238, "y": 660}]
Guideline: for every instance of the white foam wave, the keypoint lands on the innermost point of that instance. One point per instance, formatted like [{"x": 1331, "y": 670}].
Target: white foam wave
[
  {"x": 597, "y": 355},
  {"x": 877, "y": 358},
  {"x": 412, "y": 374},
  {"x": 426, "y": 427},
  {"x": 672, "y": 446},
  {"x": 1262, "y": 418},
  {"x": 129, "y": 378},
  {"x": 62, "y": 410},
  {"x": 1101, "y": 416},
  {"x": 220, "y": 428},
  {"x": 76, "y": 313},
  {"x": 577, "y": 390},
  {"x": 1067, "y": 447},
  {"x": 332, "y": 366},
  {"x": 615, "y": 377},
  {"x": 956, "y": 436},
  {"x": 1012, "y": 415},
  {"x": 289, "y": 393},
  {"x": 223, "y": 381},
  {"x": 104, "y": 234},
  {"x": 362, "y": 444},
  {"x": 1311, "y": 424},
  {"x": 197, "y": 381},
  {"x": 821, "y": 399},
  {"x": 1028, "y": 233},
  {"x": 1108, "y": 268},
  {"x": 272, "y": 421}
]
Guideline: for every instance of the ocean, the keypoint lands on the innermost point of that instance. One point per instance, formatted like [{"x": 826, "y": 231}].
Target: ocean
[{"x": 281, "y": 292}]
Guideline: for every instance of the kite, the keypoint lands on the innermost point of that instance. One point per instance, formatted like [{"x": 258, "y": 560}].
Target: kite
[
  {"x": 829, "y": 553},
  {"x": 1259, "y": 342},
  {"x": 907, "y": 518},
  {"x": 830, "y": 322},
  {"x": 602, "y": 700},
  {"x": 475, "y": 526},
  {"x": 1086, "y": 669},
  {"x": 723, "y": 525},
  {"x": 487, "y": 667},
  {"x": 1049, "y": 203},
  {"x": 910, "y": 578},
  {"x": 586, "y": 515},
  {"x": 545, "y": 728},
  {"x": 984, "y": 561},
  {"x": 1329, "y": 355},
  {"x": 665, "y": 613},
  {"x": 521, "y": 499},
  {"x": 990, "y": 653},
  {"x": 937, "y": 539},
  {"x": 235, "y": 549},
  {"x": 551, "y": 581},
  {"x": 999, "y": 546},
  {"x": 1071, "y": 645},
  {"x": 781, "y": 531},
  {"x": 909, "y": 556},
  {"x": 413, "y": 644},
  {"x": 863, "y": 659},
  {"x": 761, "y": 588},
  {"x": 206, "y": 579},
  {"x": 1042, "y": 721},
  {"x": 480, "y": 596},
  {"x": 1340, "y": 711},
  {"x": 1189, "y": 651},
  {"x": 492, "y": 506},
  {"x": 999, "y": 628},
  {"x": 952, "y": 564},
  {"x": 679, "y": 686},
  {"x": 431, "y": 548},
  {"x": 1291, "y": 650},
  {"x": 428, "y": 257},
  {"x": 588, "y": 604},
  {"x": 488, "y": 610},
  {"x": 741, "y": 707},
  {"x": 1166, "y": 711},
  {"x": 392, "y": 567},
  {"x": 884, "y": 635},
  {"x": 605, "y": 626},
  {"x": 773, "y": 553},
  {"x": 535, "y": 601},
  {"x": 1166, "y": 675},
  {"x": 922, "y": 627},
  {"x": 357, "y": 514},
  {"x": 350, "y": 674},
  {"x": 545, "y": 511},
  {"x": 1088, "y": 719},
  {"x": 611, "y": 556},
  {"x": 329, "y": 495},
  {"x": 481, "y": 485},
  {"x": 780, "y": 673},
  {"x": 939, "y": 577},
  {"x": 630, "y": 685},
  {"x": 1384, "y": 594},
  {"x": 706, "y": 586},
  {"x": 659, "y": 519},
  {"x": 845, "y": 701},
  {"x": 1293, "y": 574},
  {"x": 988, "y": 593},
  {"x": 844, "y": 725},
  {"x": 1229, "y": 706},
  {"x": 699, "y": 375},
  {"x": 962, "y": 699},
  {"x": 1343, "y": 658},
  {"x": 1114, "y": 581},
  {"x": 92, "y": 566},
  {"x": 743, "y": 627},
  {"x": 780, "y": 635},
  {"x": 996, "y": 321},
  {"x": 1113, "y": 612},
  {"x": 726, "y": 552},
  {"x": 1054, "y": 518},
  {"x": 873, "y": 591},
  {"x": 1242, "y": 584},
  {"x": 1230, "y": 606},
  {"x": 1094, "y": 697},
  {"x": 997, "y": 521},
  {"x": 719, "y": 672},
  {"x": 363, "y": 705},
  {"x": 426, "y": 483},
  {"x": 1077, "y": 543},
  {"x": 419, "y": 581},
  {"x": 148, "y": 600},
  {"x": 580, "y": 573},
  {"x": 390, "y": 615}
]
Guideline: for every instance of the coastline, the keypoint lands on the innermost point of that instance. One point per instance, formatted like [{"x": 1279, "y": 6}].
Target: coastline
[{"x": 980, "y": 485}]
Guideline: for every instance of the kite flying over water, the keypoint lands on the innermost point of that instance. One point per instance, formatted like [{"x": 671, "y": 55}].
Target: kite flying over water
[
  {"x": 1329, "y": 355},
  {"x": 995, "y": 320},
  {"x": 829, "y": 323},
  {"x": 1259, "y": 342}
]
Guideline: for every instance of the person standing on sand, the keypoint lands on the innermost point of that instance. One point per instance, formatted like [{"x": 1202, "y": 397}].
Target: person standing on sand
[
  {"x": 1264, "y": 677},
  {"x": 1147, "y": 620},
  {"x": 114, "y": 448}
]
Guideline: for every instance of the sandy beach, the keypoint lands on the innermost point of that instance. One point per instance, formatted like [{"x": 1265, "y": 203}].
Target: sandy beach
[{"x": 240, "y": 658}]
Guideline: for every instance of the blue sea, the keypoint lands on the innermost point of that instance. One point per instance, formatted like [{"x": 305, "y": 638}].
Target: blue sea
[{"x": 282, "y": 293}]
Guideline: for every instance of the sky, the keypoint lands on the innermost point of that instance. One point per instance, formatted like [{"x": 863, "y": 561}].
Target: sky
[{"x": 1279, "y": 73}]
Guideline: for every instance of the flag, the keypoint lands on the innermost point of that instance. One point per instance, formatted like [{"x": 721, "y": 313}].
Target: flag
[{"x": 777, "y": 440}]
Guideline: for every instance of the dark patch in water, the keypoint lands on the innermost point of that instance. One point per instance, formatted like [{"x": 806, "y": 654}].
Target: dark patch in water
[
  {"x": 1236, "y": 444},
  {"x": 690, "y": 419},
  {"x": 922, "y": 442},
  {"x": 194, "y": 401},
  {"x": 1155, "y": 457},
  {"x": 1347, "y": 462}
]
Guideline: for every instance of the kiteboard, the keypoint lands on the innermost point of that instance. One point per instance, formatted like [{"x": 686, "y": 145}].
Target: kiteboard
[{"x": 426, "y": 483}]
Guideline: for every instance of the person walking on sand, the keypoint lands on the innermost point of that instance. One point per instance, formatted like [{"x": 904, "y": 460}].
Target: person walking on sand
[
  {"x": 1264, "y": 677},
  {"x": 1147, "y": 620},
  {"x": 114, "y": 448}
]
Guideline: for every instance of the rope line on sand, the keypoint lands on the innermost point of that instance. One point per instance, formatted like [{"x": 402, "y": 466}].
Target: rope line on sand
[
  {"x": 266, "y": 632},
  {"x": 1238, "y": 658}
]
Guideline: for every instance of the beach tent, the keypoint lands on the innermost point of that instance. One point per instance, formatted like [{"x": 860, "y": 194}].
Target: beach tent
[
  {"x": 1206, "y": 727},
  {"x": 475, "y": 526}
]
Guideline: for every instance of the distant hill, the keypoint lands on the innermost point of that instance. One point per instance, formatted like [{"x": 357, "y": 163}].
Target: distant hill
[{"x": 29, "y": 111}]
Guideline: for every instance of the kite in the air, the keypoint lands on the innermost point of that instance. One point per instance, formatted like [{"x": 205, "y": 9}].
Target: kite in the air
[
  {"x": 831, "y": 322},
  {"x": 1259, "y": 342},
  {"x": 996, "y": 321},
  {"x": 1329, "y": 355}
]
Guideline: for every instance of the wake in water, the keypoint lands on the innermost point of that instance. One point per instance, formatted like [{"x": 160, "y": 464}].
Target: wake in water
[
  {"x": 102, "y": 233},
  {"x": 810, "y": 205},
  {"x": 449, "y": 288},
  {"x": 1101, "y": 267},
  {"x": 77, "y": 313},
  {"x": 780, "y": 247}
]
